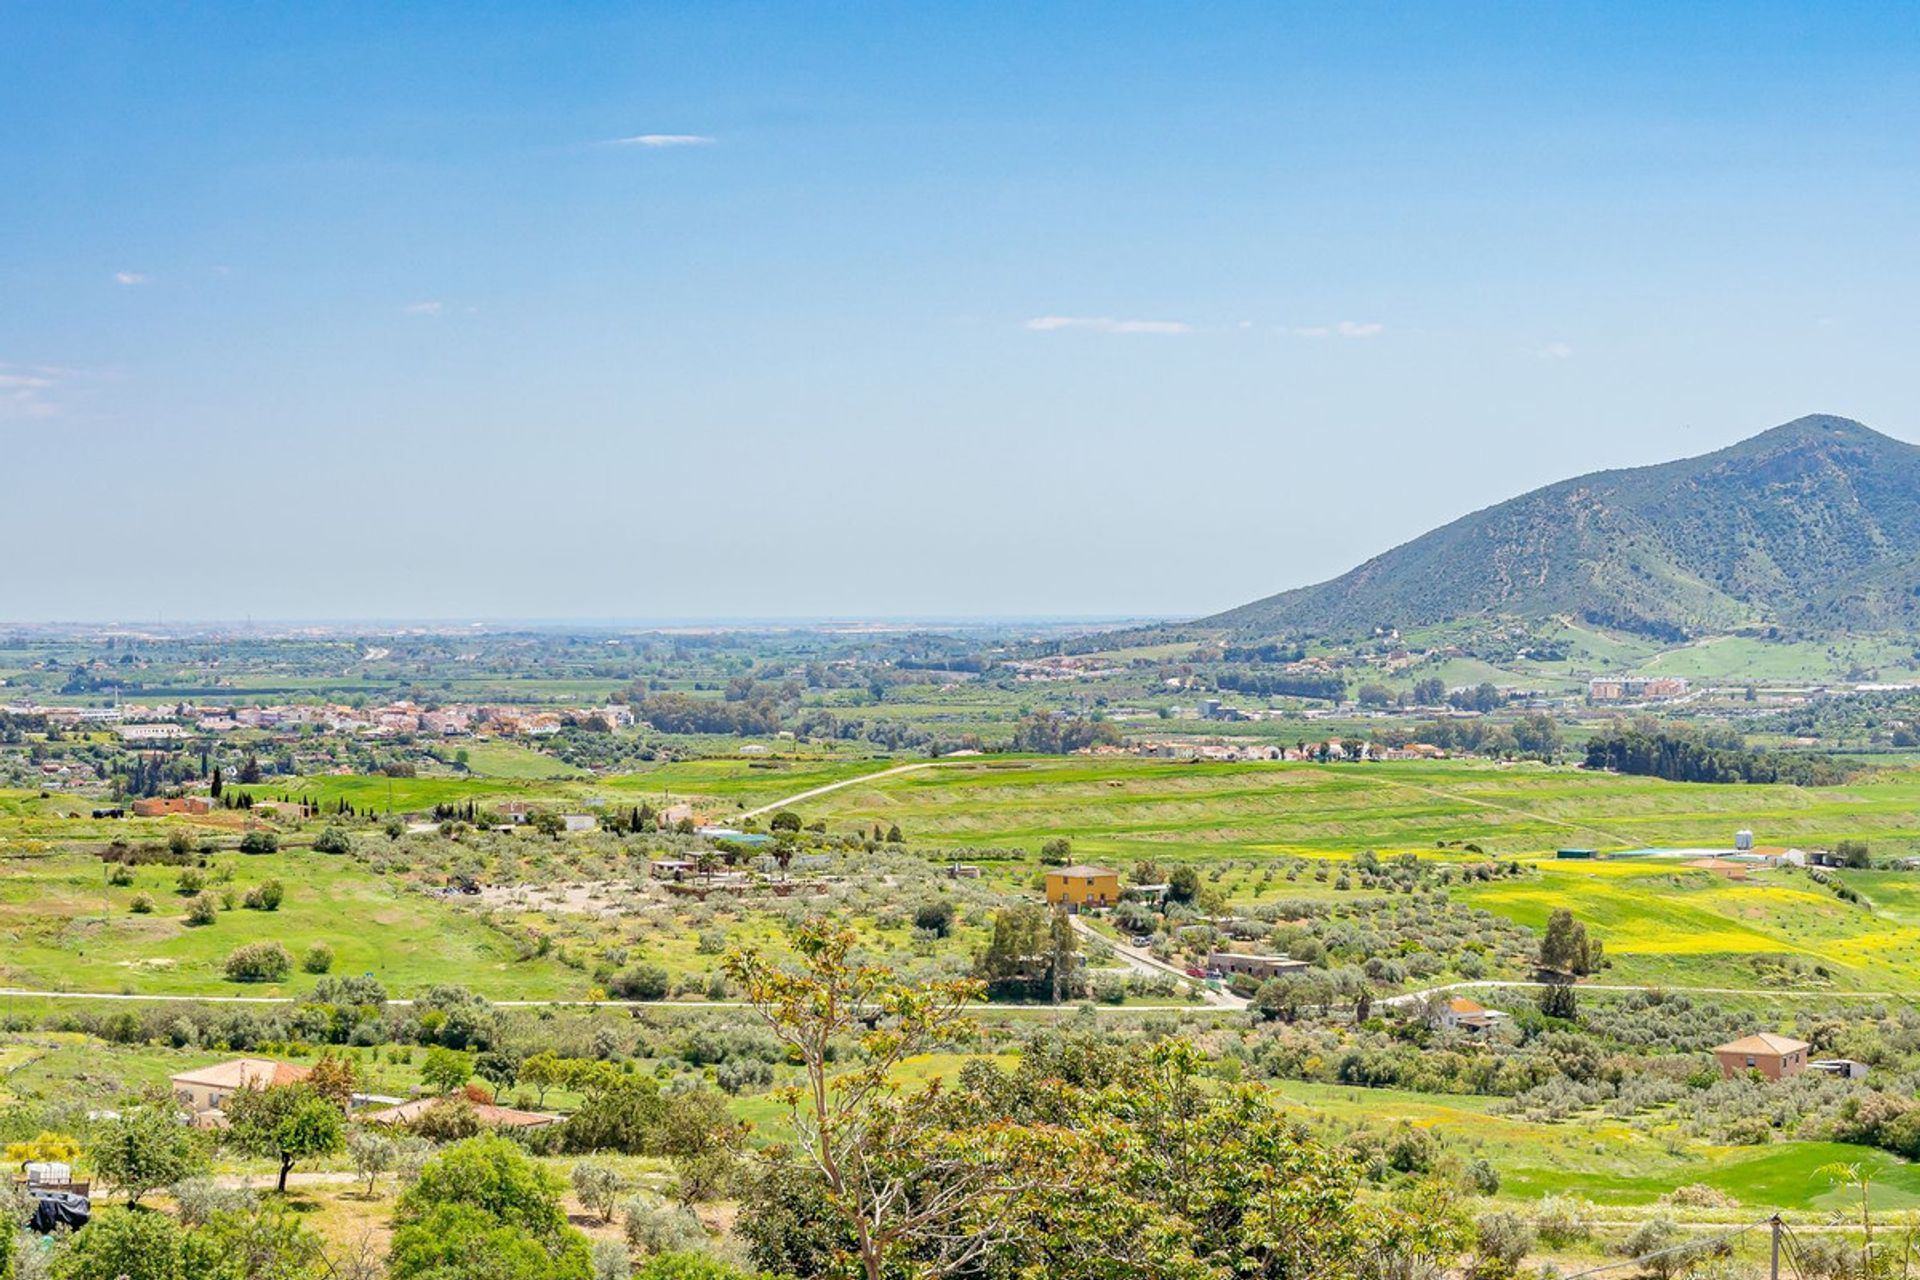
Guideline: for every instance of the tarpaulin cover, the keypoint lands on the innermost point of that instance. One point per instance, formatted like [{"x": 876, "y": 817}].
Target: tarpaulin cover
[{"x": 53, "y": 1209}]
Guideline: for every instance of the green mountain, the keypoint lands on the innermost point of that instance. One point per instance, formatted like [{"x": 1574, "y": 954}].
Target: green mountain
[{"x": 1812, "y": 527}]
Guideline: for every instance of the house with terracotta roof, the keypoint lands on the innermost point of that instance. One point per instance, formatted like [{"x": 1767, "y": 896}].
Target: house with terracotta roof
[
  {"x": 201, "y": 1090},
  {"x": 1774, "y": 1056},
  {"x": 1462, "y": 1014},
  {"x": 489, "y": 1115}
]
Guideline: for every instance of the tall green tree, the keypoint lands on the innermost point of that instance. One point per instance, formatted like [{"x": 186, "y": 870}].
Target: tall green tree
[
  {"x": 145, "y": 1148},
  {"x": 285, "y": 1122},
  {"x": 483, "y": 1211}
]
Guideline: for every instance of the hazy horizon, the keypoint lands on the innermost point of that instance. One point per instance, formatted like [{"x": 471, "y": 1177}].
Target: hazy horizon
[{"x": 774, "y": 313}]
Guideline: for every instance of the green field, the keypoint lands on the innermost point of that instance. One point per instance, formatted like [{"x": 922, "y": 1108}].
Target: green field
[
  {"x": 1612, "y": 1163},
  {"x": 68, "y": 930},
  {"x": 1663, "y": 922},
  {"x": 1123, "y": 808}
]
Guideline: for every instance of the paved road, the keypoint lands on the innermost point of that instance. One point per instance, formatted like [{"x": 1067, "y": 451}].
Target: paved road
[
  {"x": 121, "y": 996},
  {"x": 1408, "y": 997},
  {"x": 1137, "y": 959},
  {"x": 1142, "y": 961},
  {"x": 792, "y": 800}
]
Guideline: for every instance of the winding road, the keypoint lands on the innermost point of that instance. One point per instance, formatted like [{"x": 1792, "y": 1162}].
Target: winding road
[{"x": 834, "y": 786}]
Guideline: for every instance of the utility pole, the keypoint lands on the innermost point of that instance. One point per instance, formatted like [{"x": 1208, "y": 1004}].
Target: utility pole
[{"x": 1774, "y": 1272}]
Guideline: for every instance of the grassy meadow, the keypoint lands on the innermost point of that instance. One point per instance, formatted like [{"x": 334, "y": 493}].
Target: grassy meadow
[
  {"x": 1123, "y": 809},
  {"x": 69, "y": 930}
]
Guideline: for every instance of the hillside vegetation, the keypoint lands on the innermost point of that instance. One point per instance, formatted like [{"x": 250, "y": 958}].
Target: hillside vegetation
[{"x": 1811, "y": 527}]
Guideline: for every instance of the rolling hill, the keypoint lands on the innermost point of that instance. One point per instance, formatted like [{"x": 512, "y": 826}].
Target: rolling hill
[{"x": 1813, "y": 527}]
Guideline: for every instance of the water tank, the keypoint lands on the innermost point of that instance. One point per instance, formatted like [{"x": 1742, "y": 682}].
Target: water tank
[{"x": 1743, "y": 841}]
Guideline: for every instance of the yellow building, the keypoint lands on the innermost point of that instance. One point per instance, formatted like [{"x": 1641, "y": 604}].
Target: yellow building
[{"x": 1078, "y": 887}]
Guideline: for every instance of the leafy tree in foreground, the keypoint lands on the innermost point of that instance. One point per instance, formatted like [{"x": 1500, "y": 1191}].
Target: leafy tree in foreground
[
  {"x": 483, "y": 1211},
  {"x": 901, "y": 1182},
  {"x": 124, "y": 1244},
  {"x": 145, "y": 1148},
  {"x": 286, "y": 1122},
  {"x": 1086, "y": 1162}
]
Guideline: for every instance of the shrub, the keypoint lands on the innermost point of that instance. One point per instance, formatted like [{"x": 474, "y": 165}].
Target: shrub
[
  {"x": 691, "y": 1266},
  {"x": 598, "y": 1187},
  {"x": 120, "y": 874},
  {"x": 744, "y": 1075},
  {"x": 333, "y": 840},
  {"x": 448, "y": 1120},
  {"x": 1412, "y": 1150},
  {"x": 201, "y": 910},
  {"x": 494, "y": 1176},
  {"x": 266, "y": 896},
  {"x": 1666, "y": 1252},
  {"x": 640, "y": 982},
  {"x": 142, "y": 904},
  {"x": 124, "y": 1243},
  {"x": 190, "y": 880},
  {"x": 198, "y": 1199},
  {"x": 610, "y": 1261},
  {"x": 654, "y": 1228},
  {"x": 259, "y": 842},
  {"x": 373, "y": 1153},
  {"x": 143, "y": 1149},
  {"x": 1563, "y": 1220},
  {"x": 935, "y": 917},
  {"x": 259, "y": 962},
  {"x": 1501, "y": 1240},
  {"x": 319, "y": 958}
]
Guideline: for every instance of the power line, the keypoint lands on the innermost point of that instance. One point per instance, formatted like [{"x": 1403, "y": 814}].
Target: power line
[{"x": 1681, "y": 1247}]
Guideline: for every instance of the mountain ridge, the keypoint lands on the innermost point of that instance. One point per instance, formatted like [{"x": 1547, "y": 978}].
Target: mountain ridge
[{"x": 1812, "y": 525}]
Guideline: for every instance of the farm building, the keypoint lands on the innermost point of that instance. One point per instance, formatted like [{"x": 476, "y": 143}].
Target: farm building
[
  {"x": 1079, "y": 887},
  {"x": 1462, "y": 1014},
  {"x": 1844, "y": 1068},
  {"x": 157, "y": 807},
  {"x": 1774, "y": 1056},
  {"x": 489, "y": 1116},
  {"x": 1262, "y": 967},
  {"x": 203, "y": 1089}
]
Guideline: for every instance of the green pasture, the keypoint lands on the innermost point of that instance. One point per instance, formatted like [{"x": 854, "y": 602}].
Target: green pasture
[
  {"x": 1663, "y": 923},
  {"x": 1123, "y": 808},
  {"x": 1613, "y": 1163},
  {"x": 502, "y": 759},
  {"x": 68, "y": 930}
]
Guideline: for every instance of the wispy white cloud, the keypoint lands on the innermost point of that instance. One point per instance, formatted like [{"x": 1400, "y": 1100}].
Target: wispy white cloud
[
  {"x": 1555, "y": 351},
  {"x": 666, "y": 140},
  {"x": 1344, "y": 329},
  {"x": 23, "y": 393},
  {"x": 424, "y": 308},
  {"x": 131, "y": 278},
  {"x": 1106, "y": 324}
]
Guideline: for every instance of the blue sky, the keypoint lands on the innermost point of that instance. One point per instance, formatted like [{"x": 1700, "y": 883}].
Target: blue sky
[{"x": 338, "y": 311}]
